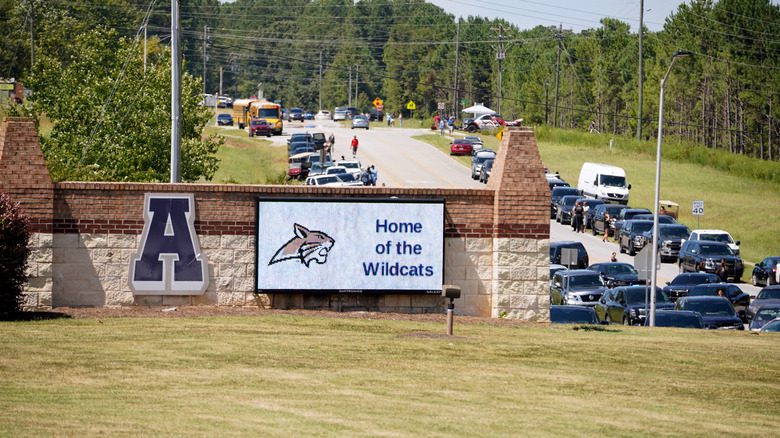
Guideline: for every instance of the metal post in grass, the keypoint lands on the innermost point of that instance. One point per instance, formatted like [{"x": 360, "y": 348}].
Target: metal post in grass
[
  {"x": 654, "y": 272},
  {"x": 451, "y": 292}
]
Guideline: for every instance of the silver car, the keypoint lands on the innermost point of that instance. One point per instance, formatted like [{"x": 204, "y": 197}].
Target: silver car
[{"x": 360, "y": 121}]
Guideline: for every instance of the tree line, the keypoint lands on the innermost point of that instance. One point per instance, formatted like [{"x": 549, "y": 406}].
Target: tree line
[{"x": 327, "y": 53}]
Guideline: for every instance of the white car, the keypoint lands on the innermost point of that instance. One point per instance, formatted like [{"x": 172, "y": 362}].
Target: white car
[
  {"x": 322, "y": 115},
  {"x": 716, "y": 236},
  {"x": 324, "y": 180},
  {"x": 353, "y": 166},
  {"x": 333, "y": 170}
]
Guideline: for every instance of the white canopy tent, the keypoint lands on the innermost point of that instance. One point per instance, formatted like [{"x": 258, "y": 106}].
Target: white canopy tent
[{"x": 478, "y": 110}]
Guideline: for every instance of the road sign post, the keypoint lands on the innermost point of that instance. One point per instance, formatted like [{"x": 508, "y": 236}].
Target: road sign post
[
  {"x": 644, "y": 266},
  {"x": 569, "y": 257},
  {"x": 697, "y": 210}
]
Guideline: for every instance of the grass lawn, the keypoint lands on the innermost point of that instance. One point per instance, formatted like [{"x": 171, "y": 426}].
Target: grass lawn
[
  {"x": 286, "y": 375},
  {"x": 245, "y": 160}
]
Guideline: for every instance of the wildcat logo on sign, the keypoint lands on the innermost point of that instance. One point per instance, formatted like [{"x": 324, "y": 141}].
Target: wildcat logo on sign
[
  {"x": 307, "y": 246},
  {"x": 169, "y": 260}
]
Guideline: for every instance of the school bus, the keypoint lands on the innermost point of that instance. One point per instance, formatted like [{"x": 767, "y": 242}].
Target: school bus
[
  {"x": 241, "y": 111},
  {"x": 271, "y": 112}
]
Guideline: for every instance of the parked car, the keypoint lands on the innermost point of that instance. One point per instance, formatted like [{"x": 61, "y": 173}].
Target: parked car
[
  {"x": 476, "y": 141},
  {"x": 353, "y": 166},
  {"x": 704, "y": 255},
  {"x": 556, "y": 182},
  {"x": 375, "y": 115},
  {"x": 769, "y": 295},
  {"x": 771, "y": 326},
  {"x": 359, "y": 121},
  {"x": 348, "y": 179},
  {"x": 478, "y": 159},
  {"x": 630, "y": 238},
  {"x": 224, "y": 119},
  {"x": 589, "y": 205},
  {"x": 340, "y": 113},
  {"x": 297, "y": 137},
  {"x": 295, "y": 114},
  {"x": 765, "y": 272},
  {"x": 555, "y": 268},
  {"x": 605, "y": 182},
  {"x": 716, "y": 236},
  {"x": 581, "y": 287},
  {"x": 662, "y": 218},
  {"x": 717, "y": 312},
  {"x": 323, "y": 180},
  {"x": 582, "y": 254},
  {"x": 627, "y": 305},
  {"x": 323, "y": 115},
  {"x": 484, "y": 172},
  {"x": 739, "y": 299},
  {"x": 259, "y": 127},
  {"x": 572, "y": 315},
  {"x": 766, "y": 313},
  {"x": 461, "y": 146},
  {"x": 556, "y": 194},
  {"x": 670, "y": 238},
  {"x": 300, "y": 147},
  {"x": 617, "y": 273},
  {"x": 678, "y": 319},
  {"x": 682, "y": 283},
  {"x": 598, "y": 221},
  {"x": 626, "y": 215},
  {"x": 565, "y": 205},
  {"x": 296, "y": 169}
]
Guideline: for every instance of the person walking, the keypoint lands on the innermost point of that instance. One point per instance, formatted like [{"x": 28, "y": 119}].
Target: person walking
[
  {"x": 606, "y": 227},
  {"x": 442, "y": 125},
  {"x": 372, "y": 175},
  {"x": 354, "y": 146},
  {"x": 577, "y": 218}
]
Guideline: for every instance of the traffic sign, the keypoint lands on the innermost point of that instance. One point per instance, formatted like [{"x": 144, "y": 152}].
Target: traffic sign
[
  {"x": 441, "y": 105},
  {"x": 569, "y": 257},
  {"x": 411, "y": 106},
  {"x": 643, "y": 264},
  {"x": 377, "y": 103},
  {"x": 698, "y": 208}
]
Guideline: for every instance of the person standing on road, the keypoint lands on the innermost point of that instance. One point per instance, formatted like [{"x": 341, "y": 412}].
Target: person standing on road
[
  {"x": 722, "y": 271},
  {"x": 613, "y": 259},
  {"x": 400, "y": 119},
  {"x": 332, "y": 141},
  {"x": 372, "y": 175},
  {"x": 354, "y": 146},
  {"x": 577, "y": 216},
  {"x": 442, "y": 125}
]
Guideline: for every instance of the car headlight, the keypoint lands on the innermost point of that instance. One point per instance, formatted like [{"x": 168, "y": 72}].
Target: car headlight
[
  {"x": 709, "y": 263},
  {"x": 573, "y": 298}
]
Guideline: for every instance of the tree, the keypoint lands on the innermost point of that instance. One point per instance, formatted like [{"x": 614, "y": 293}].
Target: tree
[
  {"x": 14, "y": 238},
  {"x": 111, "y": 121}
]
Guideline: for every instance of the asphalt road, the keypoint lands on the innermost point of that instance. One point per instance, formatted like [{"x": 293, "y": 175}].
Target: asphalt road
[{"x": 400, "y": 160}]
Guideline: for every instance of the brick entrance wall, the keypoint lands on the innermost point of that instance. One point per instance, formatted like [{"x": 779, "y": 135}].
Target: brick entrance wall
[{"x": 495, "y": 239}]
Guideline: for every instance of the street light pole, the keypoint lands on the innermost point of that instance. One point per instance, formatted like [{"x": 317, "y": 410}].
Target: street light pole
[{"x": 654, "y": 272}]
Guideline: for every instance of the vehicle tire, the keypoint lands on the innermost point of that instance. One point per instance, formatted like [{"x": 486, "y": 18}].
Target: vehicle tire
[
  {"x": 754, "y": 280},
  {"x": 682, "y": 270},
  {"x": 608, "y": 319},
  {"x": 631, "y": 250},
  {"x": 620, "y": 248},
  {"x": 626, "y": 320},
  {"x": 593, "y": 230},
  {"x": 251, "y": 134}
]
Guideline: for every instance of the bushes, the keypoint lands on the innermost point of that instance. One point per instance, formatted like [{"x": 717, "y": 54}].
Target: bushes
[{"x": 14, "y": 238}]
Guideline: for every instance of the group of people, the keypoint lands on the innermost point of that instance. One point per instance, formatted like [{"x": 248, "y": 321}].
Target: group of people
[
  {"x": 370, "y": 176},
  {"x": 391, "y": 118}
]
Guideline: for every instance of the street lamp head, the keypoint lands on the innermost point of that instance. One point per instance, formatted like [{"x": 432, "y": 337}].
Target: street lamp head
[{"x": 681, "y": 53}]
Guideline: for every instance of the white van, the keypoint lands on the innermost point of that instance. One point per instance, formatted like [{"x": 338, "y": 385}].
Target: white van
[{"x": 605, "y": 182}]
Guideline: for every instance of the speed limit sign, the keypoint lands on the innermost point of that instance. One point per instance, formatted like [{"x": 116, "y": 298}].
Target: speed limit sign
[{"x": 698, "y": 208}]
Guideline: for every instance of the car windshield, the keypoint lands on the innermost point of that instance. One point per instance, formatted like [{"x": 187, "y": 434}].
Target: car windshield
[
  {"x": 690, "y": 279},
  {"x": 564, "y": 191},
  {"x": 637, "y": 296},
  {"x": 710, "y": 307},
  {"x": 488, "y": 164},
  {"x": 350, "y": 165},
  {"x": 271, "y": 113},
  {"x": 716, "y": 250},
  {"x": 630, "y": 214},
  {"x": 327, "y": 179},
  {"x": 719, "y": 237},
  {"x": 479, "y": 159},
  {"x": 613, "y": 180},
  {"x": 769, "y": 294},
  {"x": 641, "y": 227},
  {"x": 568, "y": 201},
  {"x": 585, "y": 281},
  {"x": 618, "y": 269},
  {"x": 613, "y": 210},
  {"x": 673, "y": 233},
  {"x": 346, "y": 177}
]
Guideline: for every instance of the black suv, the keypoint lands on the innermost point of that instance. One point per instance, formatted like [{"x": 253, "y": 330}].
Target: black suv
[
  {"x": 670, "y": 238},
  {"x": 582, "y": 254},
  {"x": 617, "y": 273},
  {"x": 717, "y": 312},
  {"x": 556, "y": 194},
  {"x": 704, "y": 255},
  {"x": 579, "y": 287},
  {"x": 565, "y": 205},
  {"x": 295, "y": 114},
  {"x": 598, "y": 221},
  {"x": 739, "y": 299},
  {"x": 626, "y": 304},
  {"x": 626, "y": 215},
  {"x": 682, "y": 283},
  {"x": 630, "y": 238},
  {"x": 766, "y": 271}
]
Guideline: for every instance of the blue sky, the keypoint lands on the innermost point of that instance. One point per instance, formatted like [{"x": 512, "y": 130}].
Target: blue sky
[{"x": 573, "y": 14}]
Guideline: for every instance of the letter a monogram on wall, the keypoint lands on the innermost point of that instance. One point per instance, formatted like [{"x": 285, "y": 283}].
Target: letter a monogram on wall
[{"x": 169, "y": 261}]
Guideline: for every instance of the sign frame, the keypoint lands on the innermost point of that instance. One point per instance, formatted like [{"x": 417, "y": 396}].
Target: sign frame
[
  {"x": 697, "y": 208},
  {"x": 347, "y": 291}
]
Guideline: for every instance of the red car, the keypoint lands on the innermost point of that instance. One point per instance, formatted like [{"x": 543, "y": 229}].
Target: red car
[
  {"x": 461, "y": 146},
  {"x": 260, "y": 127}
]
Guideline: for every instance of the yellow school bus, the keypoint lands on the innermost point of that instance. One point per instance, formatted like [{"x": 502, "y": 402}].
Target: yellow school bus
[
  {"x": 241, "y": 111},
  {"x": 271, "y": 112}
]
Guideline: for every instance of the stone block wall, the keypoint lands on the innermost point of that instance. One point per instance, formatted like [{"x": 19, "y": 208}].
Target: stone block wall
[{"x": 86, "y": 233}]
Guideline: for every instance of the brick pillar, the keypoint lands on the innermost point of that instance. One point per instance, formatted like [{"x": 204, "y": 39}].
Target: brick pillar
[
  {"x": 522, "y": 229},
  {"x": 25, "y": 178}
]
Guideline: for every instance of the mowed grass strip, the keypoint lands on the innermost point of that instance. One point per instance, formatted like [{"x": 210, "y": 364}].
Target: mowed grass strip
[
  {"x": 245, "y": 160},
  {"x": 283, "y": 375}
]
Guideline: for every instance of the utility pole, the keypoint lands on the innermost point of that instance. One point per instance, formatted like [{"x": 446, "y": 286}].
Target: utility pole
[
  {"x": 32, "y": 34},
  {"x": 145, "y": 26},
  {"x": 349, "y": 88},
  {"x": 457, "y": 49},
  {"x": 500, "y": 55},
  {"x": 205, "y": 39},
  {"x": 641, "y": 71},
  {"x": 356, "y": 83},
  {"x": 220, "y": 81},
  {"x": 557, "y": 74},
  {"x": 546, "y": 102},
  {"x": 320, "y": 100},
  {"x": 175, "y": 92}
]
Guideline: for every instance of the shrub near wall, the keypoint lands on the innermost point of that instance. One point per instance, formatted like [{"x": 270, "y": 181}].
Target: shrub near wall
[{"x": 14, "y": 240}]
